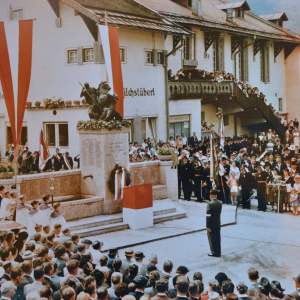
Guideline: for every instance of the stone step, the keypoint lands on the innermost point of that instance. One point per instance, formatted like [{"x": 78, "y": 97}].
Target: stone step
[
  {"x": 102, "y": 229},
  {"x": 163, "y": 211}
]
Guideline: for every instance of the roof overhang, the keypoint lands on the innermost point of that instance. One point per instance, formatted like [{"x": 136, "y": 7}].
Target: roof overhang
[
  {"x": 274, "y": 17},
  {"x": 234, "y": 5}
]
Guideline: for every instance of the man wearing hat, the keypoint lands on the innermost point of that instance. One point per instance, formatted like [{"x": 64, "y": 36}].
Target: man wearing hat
[
  {"x": 296, "y": 294},
  {"x": 139, "y": 256},
  {"x": 260, "y": 179},
  {"x": 96, "y": 251},
  {"x": 8, "y": 290},
  {"x": 263, "y": 286},
  {"x": 126, "y": 262},
  {"x": 140, "y": 282},
  {"x": 213, "y": 224},
  {"x": 112, "y": 253},
  {"x": 87, "y": 243}
]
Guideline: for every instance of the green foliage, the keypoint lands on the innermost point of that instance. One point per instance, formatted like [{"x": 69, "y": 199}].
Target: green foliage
[
  {"x": 6, "y": 168},
  {"x": 53, "y": 103},
  {"x": 96, "y": 125},
  {"x": 165, "y": 151},
  {"x": 111, "y": 180}
]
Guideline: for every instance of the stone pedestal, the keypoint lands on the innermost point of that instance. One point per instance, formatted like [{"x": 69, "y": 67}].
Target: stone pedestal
[
  {"x": 168, "y": 177},
  {"x": 100, "y": 151}
]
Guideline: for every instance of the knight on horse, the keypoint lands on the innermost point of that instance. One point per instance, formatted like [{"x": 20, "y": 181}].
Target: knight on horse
[{"x": 102, "y": 104}]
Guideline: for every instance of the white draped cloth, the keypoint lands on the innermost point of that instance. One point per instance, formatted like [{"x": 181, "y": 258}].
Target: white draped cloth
[
  {"x": 22, "y": 212},
  {"x": 3, "y": 212},
  {"x": 44, "y": 214},
  {"x": 57, "y": 218},
  {"x": 33, "y": 218}
]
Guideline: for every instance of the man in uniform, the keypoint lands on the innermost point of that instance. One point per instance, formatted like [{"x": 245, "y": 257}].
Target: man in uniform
[
  {"x": 246, "y": 182},
  {"x": 213, "y": 223},
  {"x": 260, "y": 184},
  {"x": 58, "y": 160},
  {"x": 187, "y": 175},
  {"x": 198, "y": 179}
]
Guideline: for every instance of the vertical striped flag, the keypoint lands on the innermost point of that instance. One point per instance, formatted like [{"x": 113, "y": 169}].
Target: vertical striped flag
[
  {"x": 221, "y": 132},
  {"x": 44, "y": 150},
  {"x": 111, "y": 49},
  {"x": 15, "y": 70}
]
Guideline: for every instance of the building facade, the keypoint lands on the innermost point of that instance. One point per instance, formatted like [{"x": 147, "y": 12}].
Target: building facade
[{"x": 205, "y": 34}]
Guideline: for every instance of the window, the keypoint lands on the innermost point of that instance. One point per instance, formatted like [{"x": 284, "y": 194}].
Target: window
[
  {"x": 89, "y": 55},
  {"x": 148, "y": 57},
  {"x": 23, "y": 139},
  {"x": 226, "y": 120},
  {"x": 189, "y": 3},
  {"x": 160, "y": 58},
  {"x": 280, "y": 107},
  {"x": 123, "y": 55},
  {"x": 218, "y": 54},
  {"x": 72, "y": 56},
  {"x": 240, "y": 13},
  {"x": 186, "y": 48},
  {"x": 264, "y": 63},
  {"x": 202, "y": 116},
  {"x": 57, "y": 134},
  {"x": 149, "y": 128},
  {"x": 17, "y": 14}
]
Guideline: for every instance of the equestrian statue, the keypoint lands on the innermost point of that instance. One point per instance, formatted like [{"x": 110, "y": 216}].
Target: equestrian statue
[{"x": 102, "y": 104}]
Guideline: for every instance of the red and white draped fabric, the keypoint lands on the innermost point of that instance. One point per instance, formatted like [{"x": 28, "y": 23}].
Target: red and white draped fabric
[
  {"x": 15, "y": 70},
  {"x": 44, "y": 150},
  {"x": 111, "y": 49},
  {"x": 67, "y": 162}
]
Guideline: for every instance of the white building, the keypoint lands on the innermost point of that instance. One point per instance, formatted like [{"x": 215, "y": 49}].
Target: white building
[{"x": 212, "y": 35}]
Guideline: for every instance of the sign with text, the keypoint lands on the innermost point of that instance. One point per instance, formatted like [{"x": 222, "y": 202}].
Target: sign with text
[{"x": 139, "y": 92}]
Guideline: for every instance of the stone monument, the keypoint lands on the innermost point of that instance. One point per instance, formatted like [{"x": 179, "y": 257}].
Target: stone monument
[{"x": 101, "y": 149}]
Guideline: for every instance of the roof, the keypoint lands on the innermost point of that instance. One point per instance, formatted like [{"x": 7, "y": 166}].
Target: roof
[
  {"x": 215, "y": 19},
  {"x": 231, "y": 5},
  {"x": 119, "y": 19},
  {"x": 278, "y": 16}
]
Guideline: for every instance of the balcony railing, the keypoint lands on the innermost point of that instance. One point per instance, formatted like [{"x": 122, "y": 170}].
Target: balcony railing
[{"x": 199, "y": 89}]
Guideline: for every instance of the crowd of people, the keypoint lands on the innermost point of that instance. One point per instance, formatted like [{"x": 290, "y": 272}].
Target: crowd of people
[
  {"x": 54, "y": 263},
  {"x": 31, "y": 162}
]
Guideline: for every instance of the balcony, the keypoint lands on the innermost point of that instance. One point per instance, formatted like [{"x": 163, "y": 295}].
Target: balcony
[
  {"x": 200, "y": 90},
  {"x": 251, "y": 109}
]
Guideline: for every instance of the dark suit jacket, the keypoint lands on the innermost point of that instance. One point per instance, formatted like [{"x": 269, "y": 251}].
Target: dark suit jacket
[
  {"x": 179, "y": 298},
  {"x": 26, "y": 279},
  {"x": 137, "y": 295},
  {"x": 160, "y": 297},
  {"x": 246, "y": 181},
  {"x": 213, "y": 212},
  {"x": 193, "y": 141},
  {"x": 48, "y": 281},
  {"x": 48, "y": 245}
]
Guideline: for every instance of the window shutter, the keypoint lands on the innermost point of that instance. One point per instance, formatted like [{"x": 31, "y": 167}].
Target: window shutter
[
  {"x": 267, "y": 62},
  {"x": 80, "y": 55},
  {"x": 165, "y": 52},
  {"x": 98, "y": 53},
  {"x": 220, "y": 66},
  {"x": 245, "y": 62},
  {"x": 154, "y": 57}
]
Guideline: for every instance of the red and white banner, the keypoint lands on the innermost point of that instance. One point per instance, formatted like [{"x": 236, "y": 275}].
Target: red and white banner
[
  {"x": 111, "y": 49},
  {"x": 15, "y": 70},
  {"x": 44, "y": 150}
]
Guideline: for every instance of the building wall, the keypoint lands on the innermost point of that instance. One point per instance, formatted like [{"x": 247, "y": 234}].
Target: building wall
[{"x": 292, "y": 75}]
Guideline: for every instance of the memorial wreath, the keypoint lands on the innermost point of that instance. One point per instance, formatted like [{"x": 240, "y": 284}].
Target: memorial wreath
[{"x": 111, "y": 180}]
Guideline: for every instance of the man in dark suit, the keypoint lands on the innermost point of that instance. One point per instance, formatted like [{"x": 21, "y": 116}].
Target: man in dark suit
[
  {"x": 57, "y": 160},
  {"x": 140, "y": 284},
  {"x": 27, "y": 270},
  {"x": 213, "y": 224},
  {"x": 194, "y": 290},
  {"x": 296, "y": 123},
  {"x": 181, "y": 287},
  {"x": 7, "y": 266},
  {"x": 49, "y": 242},
  {"x": 252, "y": 167},
  {"x": 277, "y": 149},
  {"x": 48, "y": 267},
  {"x": 187, "y": 175},
  {"x": 280, "y": 166},
  {"x": 260, "y": 185},
  {"x": 162, "y": 289},
  {"x": 193, "y": 140},
  {"x": 246, "y": 182}
]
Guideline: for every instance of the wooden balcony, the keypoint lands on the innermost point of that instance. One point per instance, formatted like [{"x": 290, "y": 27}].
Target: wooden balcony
[{"x": 200, "y": 90}]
